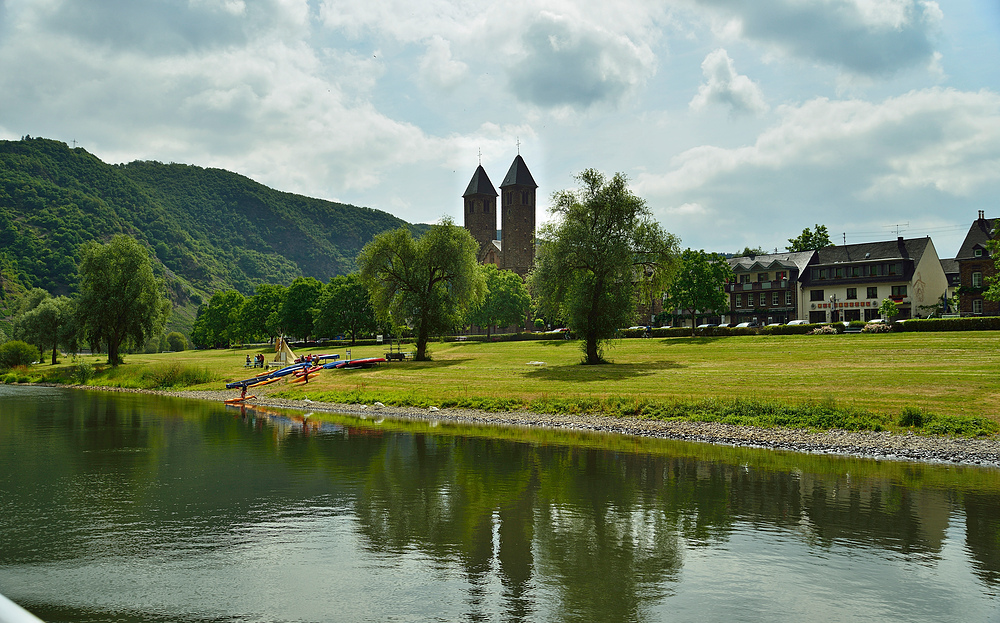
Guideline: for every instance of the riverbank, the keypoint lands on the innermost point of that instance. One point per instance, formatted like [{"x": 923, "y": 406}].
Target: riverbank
[{"x": 877, "y": 445}]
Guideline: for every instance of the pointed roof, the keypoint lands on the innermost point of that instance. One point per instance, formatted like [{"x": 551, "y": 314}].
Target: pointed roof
[
  {"x": 518, "y": 175},
  {"x": 979, "y": 234},
  {"x": 480, "y": 184}
]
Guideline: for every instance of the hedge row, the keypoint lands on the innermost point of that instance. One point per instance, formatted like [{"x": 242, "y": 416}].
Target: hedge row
[{"x": 966, "y": 323}]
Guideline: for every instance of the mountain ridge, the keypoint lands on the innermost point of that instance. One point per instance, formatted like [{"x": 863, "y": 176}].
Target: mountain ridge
[{"x": 206, "y": 228}]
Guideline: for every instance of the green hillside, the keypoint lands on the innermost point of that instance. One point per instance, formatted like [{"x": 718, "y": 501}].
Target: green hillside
[{"x": 207, "y": 229}]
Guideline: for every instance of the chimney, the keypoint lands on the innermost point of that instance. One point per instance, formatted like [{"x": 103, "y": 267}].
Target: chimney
[{"x": 982, "y": 215}]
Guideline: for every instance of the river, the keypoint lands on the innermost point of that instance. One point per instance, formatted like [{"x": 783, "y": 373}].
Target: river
[{"x": 132, "y": 507}]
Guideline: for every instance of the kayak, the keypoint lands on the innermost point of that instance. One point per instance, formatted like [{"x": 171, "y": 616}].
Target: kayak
[{"x": 232, "y": 401}]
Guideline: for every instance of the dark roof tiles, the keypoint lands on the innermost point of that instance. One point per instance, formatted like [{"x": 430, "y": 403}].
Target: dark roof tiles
[
  {"x": 518, "y": 175},
  {"x": 480, "y": 184}
]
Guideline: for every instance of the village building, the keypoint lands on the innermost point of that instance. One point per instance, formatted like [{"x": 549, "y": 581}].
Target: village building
[
  {"x": 975, "y": 267},
  {"x": 765, "y": 288},
  {"x": 849, "y": 282}
]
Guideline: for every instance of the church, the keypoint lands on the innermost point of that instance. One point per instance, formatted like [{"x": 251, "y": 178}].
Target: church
[{"x": 513, "y": 246}]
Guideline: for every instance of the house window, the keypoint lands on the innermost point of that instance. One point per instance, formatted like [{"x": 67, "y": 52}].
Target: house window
[
  {"x": 896, "y": 269},
  {"x": 977, "y": 280},
  {"x": 815, "y": 295},
  {"x": 898, "y": 290},
  {"x": 855, "y": 271},
  {"x": 763, "y": 299},
  {"x": 745, "y": 278},
  {"x": 776, "y": 298},
  {"x": 872, "y": 292},
  {"x": 977, "y": 306},
  {"x": 788, "y": 297},
  {"x": 822, "y": 273},
  {"x": 781, "y": 275},
  {"x": 761, "y": 277},
  {"x": 839, "y": 272},
  {"x": 852, "y": 293},
  {"x": 739, "y": 301},
  {"x": 978, "y": 253}
]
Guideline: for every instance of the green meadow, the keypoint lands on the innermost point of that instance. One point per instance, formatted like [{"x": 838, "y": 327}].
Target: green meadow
[{"x": 945, "y": 382}]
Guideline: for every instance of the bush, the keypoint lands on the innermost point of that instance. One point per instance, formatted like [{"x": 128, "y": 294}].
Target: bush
[
  {"x": 876, "y": 328},
  {"x": 17, "y": 353},
  {"x": 825, "y": 330},
  {"x": 911, "y": 416},
  {"x": 176, "y": 341},
  {"x": 175, "y": 375},
  {"x": 82, "y": 372}
]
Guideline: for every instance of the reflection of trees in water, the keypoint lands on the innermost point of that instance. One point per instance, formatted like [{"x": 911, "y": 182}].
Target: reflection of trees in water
[
  {"x": 602, "y": 528},
  {"x": 982, "y": 535}
]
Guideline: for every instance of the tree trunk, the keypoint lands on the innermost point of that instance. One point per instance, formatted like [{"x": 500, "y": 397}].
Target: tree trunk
[
  {"x": 593, "y": 357},
  {"x": 422, "y": 341},
  {"x": 55, "y": 348}
]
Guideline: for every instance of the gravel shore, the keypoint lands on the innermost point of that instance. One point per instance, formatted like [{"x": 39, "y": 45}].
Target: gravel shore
[{"x": 881, "y": 445}]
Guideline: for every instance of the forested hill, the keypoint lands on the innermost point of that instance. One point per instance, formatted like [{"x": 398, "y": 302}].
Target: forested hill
[{"x": 208, "y": 229}]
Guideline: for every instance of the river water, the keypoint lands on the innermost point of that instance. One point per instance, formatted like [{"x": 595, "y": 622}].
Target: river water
[{"x": 121, "y": 507}]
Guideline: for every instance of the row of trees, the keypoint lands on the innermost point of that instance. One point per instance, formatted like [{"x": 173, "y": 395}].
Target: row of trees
[{"x": 120, "y": 305}]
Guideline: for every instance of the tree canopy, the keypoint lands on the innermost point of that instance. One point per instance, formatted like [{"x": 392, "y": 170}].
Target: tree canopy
[
  {"x": 810, "y": 240},
  {"x": 699, "y": 284},
  {"x": 46, "y": 321},
  {"x": 298, "y": 307},
  {"x": 602, "y": 253},
  {"x": 218, "y": 323},
  {"x": 344, "y": 307},
  {"x": 506, "y": 302},
  {"x": 429, "y": 284},
  {"x": 121, "y": 303}
]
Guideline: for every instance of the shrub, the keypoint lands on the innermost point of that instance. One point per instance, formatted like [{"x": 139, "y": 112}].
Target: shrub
[
  {"x": 175, "y": 375},
  {"x": 82, "y": 372},
  {"x": 176, "y": 341},
  {"x": 825, "y": 330},
  {"x": 17, "y": 353},
  {"x": 876, "y": 328},
  {"x": 967, "y": 323},
  {"x": 911, "y": 416}
]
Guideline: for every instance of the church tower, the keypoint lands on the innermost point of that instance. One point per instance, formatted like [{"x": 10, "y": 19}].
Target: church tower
[
  {"x": 518, "y": 218},
  {"x": 481, "y": 211}
]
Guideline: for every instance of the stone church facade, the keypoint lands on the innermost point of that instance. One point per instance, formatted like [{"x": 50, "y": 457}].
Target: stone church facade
[{"x": 514, "y": 248}]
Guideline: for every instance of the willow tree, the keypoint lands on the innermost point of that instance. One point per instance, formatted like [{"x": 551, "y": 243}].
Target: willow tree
[
  {"x": 601, "y": 254},
  {"x": 122, "y": 303},
  {"x": 429, "y": 284}
]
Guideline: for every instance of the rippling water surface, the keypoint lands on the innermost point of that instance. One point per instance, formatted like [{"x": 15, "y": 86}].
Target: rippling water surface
[{"x": 140, "y": 508}]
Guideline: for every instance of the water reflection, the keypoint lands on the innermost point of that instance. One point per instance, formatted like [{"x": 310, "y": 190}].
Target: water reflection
[{"x": 163, "y": 509}]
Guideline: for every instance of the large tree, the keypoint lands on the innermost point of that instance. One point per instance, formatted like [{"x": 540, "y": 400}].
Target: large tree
[
  {"x": 260, "y": 316},
  {"x": 506, "y": 302},
  {"x": 345, "y": 307},
  {"x": 296, "y": 315},
  {"x": 429, "y": 284},
  {"x": 601, "y": 254},
  {"x": 699, "y": 284},
  {"x": 808, "y": 240},
  {"x": 121, "y": 302},
  {"x": 46, "y": 321},
  {"x": 218, "y": 323}
]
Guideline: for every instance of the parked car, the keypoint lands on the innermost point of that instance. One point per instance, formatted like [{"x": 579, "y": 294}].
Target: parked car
[
  {"x": 747, "y": 325},
  {"x": 775, "y": 324},
  {"x": 707, "y": 326},
  {"x": 797, "y": 322}
]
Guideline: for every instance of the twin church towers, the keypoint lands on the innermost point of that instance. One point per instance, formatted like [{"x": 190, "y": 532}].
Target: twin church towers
[{"x": 513, "y": 247}]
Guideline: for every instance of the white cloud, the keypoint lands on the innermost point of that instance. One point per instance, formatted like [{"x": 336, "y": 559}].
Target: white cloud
[
  {"x": 866, "y": 37},
  {"x": 916, "y": 154},
  {"x": 438, "y": 69},
  {"x": 725, "y": 87}
]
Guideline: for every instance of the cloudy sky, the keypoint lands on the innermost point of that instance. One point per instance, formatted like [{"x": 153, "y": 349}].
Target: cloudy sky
[{"x": 739, "y": 121}]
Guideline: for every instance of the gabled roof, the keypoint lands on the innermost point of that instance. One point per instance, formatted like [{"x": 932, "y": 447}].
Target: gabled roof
[
  {"x": 771, "y": 261},
  {"x": 979, "y": 234},
  {"x": 949, "y": 266},
  {"x": 480, "y": 184},
  {"x": 518, "y": 175},
  {"x": 898, "y": 249}
]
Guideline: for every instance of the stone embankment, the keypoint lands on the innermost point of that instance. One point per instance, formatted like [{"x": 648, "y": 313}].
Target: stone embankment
[{"x": 879, "y": 445}]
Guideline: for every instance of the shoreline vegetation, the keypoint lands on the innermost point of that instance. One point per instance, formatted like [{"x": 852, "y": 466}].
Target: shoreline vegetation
[{"x": 911, "y": 396}]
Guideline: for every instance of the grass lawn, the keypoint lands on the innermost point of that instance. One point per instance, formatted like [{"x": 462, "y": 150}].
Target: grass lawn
[{"x": 948, "y": 373}]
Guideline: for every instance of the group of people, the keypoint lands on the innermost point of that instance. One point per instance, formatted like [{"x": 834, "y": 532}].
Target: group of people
[{"x": 258, "y": 361}]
